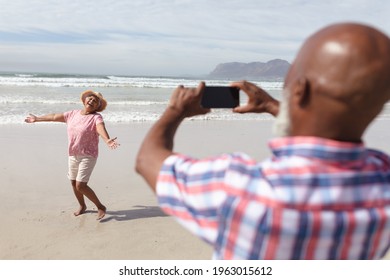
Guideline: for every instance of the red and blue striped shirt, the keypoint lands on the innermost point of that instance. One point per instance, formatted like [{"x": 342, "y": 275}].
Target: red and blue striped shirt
[{"x": 313, "y": 198}]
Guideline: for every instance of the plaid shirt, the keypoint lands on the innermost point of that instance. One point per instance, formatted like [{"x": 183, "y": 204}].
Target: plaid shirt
[{"x": 313, "y": 199}]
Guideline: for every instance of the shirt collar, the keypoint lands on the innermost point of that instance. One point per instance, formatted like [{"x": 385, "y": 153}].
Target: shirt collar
[{"x": 319, "y": 148}]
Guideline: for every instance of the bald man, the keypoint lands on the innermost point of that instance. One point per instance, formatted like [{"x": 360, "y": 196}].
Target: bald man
[{"x": 322, "y": 194}]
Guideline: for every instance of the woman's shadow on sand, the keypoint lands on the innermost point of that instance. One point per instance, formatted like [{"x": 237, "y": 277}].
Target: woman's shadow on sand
[{"x": 141, "y": 212}]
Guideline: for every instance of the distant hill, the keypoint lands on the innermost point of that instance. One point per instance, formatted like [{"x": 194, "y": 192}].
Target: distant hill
[{"x": 273, "y": 69}]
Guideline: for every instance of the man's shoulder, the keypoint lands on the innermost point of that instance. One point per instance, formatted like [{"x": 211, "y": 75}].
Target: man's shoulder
[
  {"x": 238, "y": 161},
  {"x": 235, "y": 156},
  {"x": 381, "y": 155}
]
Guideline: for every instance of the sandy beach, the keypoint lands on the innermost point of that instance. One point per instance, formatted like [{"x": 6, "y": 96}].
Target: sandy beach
[{"x": 38, "y": 203}]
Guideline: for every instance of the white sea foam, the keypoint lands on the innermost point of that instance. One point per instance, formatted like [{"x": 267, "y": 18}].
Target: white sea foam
[{"x": 51, "y": 80}]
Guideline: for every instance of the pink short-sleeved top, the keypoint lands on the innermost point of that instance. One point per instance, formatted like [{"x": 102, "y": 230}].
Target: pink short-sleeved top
[{"x": 82, "y": 134}]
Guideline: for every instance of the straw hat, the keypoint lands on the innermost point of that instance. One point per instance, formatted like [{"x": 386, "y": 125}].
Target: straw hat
[{"x": 103, "y": 102}]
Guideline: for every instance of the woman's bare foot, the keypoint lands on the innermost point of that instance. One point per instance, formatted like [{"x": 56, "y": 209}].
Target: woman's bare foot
[
  {"x": 101, "y": 212},
  {"x": 80, "y": 211}
]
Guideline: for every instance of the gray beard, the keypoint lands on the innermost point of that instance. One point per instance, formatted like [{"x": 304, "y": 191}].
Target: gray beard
[{"x": 281, "y": 127}]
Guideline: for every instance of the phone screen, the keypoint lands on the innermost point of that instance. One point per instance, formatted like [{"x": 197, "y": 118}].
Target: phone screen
[{"x": 220, "y": 97}]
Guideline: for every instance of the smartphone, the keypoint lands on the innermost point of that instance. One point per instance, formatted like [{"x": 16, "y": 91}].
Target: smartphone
[{"x": 220, "y": 97}]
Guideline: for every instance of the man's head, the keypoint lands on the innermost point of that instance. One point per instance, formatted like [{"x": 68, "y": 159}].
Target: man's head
[{"x": 339, "y": 82}]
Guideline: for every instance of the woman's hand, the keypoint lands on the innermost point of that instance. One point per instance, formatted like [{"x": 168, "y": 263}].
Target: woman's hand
[
  {"x": 112, "y": 143},
  {"x": 31, "y": 119}
]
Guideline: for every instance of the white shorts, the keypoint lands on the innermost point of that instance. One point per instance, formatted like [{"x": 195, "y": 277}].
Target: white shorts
[{"x": 80, "y": 168}]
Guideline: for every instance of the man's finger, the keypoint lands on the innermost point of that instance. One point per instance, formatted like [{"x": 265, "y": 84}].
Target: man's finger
[{"x": 241, "y": 109}]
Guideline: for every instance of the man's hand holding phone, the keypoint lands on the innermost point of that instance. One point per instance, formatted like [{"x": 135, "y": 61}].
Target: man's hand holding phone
[
  {"x": 259, "y": 101},
  {"x": 189, "y": 102},
  {"x": 186, "y": 101}
]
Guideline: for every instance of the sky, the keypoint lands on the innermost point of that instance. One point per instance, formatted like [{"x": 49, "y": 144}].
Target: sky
[{"x": 165, "y": 37}]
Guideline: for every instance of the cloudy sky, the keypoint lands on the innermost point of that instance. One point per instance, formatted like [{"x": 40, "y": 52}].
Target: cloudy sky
[{"x": 165, "y": 37}]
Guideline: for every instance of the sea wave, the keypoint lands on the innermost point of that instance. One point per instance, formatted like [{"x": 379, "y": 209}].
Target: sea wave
[
  {"x": 56, "y": 80},
  {"x": 141, "y": 115},
  {"x": 34, "y": 100},
  {"x": 145, "y": 117}
]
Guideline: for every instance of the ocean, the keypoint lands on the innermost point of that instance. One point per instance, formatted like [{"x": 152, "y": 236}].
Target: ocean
[{"x": 130, "y": 99}]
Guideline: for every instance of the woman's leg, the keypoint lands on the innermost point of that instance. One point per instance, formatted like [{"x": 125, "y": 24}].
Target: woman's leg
[
  {"x": 80, "y": 169},
  {"x": 83, "y": 189},
  {"x": 80, "y": 199}
]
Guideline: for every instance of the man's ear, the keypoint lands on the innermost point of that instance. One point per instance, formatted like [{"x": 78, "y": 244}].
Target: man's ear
[{"x": 300, "y": 92}]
